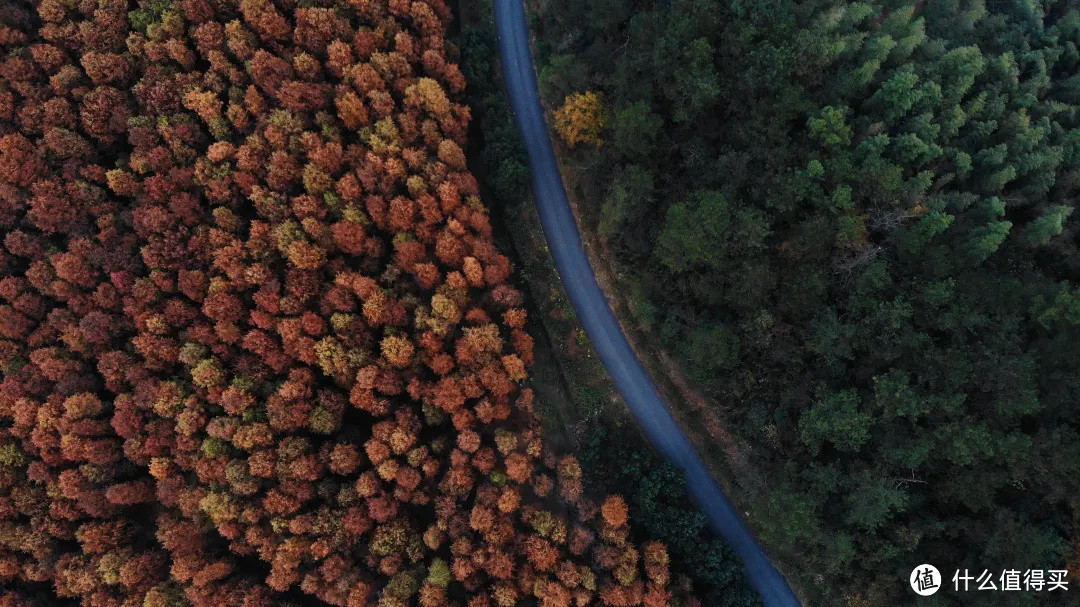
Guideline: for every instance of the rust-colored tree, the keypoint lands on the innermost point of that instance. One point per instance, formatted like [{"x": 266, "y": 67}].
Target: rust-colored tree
[{"x": 256, "y": 340}]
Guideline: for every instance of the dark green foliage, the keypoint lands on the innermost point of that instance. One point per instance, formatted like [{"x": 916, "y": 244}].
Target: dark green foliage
[
  {"x": 654, "y": 489},
  {"x": 148, "y": 13},
  {"x": 503, "y": 162},
  {"x": 708, "y": 350},
  {"x": 853, "y": 225}
]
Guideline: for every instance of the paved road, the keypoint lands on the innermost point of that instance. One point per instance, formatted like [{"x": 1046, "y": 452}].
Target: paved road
[{"x": 626, "y": 370}]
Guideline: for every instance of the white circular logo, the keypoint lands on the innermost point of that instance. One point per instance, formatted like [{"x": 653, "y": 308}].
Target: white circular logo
[{"x": 925, "y": 580}]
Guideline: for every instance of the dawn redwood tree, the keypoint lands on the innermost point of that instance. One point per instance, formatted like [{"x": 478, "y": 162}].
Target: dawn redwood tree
[{"x": 256, "y": 340}]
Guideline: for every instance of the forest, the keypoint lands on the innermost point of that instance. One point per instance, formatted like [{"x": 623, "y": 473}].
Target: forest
[
  {"x": 258, "y": 347},
  {"x": 852, "y": 225},
  {"x": 592, "y": 420}
]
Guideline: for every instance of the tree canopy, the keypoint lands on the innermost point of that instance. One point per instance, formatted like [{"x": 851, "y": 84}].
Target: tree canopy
[
  {"x": 257, "y": 344},
  {"x": 854, "y": 224}
]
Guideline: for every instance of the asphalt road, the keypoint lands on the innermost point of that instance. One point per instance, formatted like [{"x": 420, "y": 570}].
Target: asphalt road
[{"x": 622, "y": 364}]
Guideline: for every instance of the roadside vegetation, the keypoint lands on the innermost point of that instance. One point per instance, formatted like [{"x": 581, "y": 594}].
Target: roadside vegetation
[{"x": 591, "y": 418}]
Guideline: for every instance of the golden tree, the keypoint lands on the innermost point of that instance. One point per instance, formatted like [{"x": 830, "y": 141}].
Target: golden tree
[{"x": 581, "y": 118}]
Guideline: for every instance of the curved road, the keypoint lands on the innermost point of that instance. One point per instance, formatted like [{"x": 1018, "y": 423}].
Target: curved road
[{"x": 630, "y": 377}]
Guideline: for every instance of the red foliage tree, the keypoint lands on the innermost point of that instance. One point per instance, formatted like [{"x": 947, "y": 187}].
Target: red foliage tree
[{"x": 246, "y": 285}]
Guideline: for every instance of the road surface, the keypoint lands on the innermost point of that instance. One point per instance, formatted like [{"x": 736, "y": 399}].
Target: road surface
[{"x": 626, "y": 370}]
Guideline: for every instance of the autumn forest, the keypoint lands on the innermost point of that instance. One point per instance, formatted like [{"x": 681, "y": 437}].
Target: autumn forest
[{"x": 257, "y": 344}]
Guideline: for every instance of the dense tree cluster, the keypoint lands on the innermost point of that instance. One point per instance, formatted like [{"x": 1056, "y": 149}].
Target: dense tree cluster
[
  {"x": 853, "y": 224},
  {"x": 257, "y": 344},
  {"x": 501, "y": 162}
]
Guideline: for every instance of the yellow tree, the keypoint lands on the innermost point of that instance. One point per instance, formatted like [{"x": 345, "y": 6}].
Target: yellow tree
[{"x": 581, "y": 118}]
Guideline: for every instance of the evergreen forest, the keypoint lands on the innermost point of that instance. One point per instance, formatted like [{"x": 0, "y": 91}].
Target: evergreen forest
[{"x": 852, "y": 225}]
